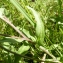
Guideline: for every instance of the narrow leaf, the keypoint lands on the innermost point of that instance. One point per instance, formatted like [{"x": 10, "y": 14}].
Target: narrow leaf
[
  {"x": 39, "y": 26},
  {"x": 19, "y": 7}
]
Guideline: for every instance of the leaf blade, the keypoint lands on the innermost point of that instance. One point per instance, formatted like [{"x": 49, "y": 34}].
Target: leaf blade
[
  {"x": 39, "y": 26},
  {"x": 19, "y": 7}
]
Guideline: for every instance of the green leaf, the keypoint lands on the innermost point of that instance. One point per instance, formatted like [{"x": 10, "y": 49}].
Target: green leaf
[
  {"x": 27, "y": 33},
  {"x": 60, "y": 5},
  {"x": 19, "y": 7},
  {"x": 8, "y": 39},
  {"x": 39, "y": 26},
  {"x": 1, "y": 11},
  {"x": 23, "y": 49}
]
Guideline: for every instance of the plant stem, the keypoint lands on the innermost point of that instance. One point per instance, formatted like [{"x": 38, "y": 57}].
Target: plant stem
[
  {"x": 8, "y": 22},
  {"x": 47, "y": 52},
  {"x": 43, "y": 58}
]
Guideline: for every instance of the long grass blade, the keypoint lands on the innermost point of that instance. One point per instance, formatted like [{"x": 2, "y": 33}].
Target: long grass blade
[{"x": 20, "y": 8}]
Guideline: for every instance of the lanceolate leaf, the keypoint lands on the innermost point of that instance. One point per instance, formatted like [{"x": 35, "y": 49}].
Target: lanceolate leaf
[
  {"x": 23, "y": 49},
  {"x": 39, "y": 26},
  {"x": 19, "y": 7},
  {"x": 12, "y": 39}
]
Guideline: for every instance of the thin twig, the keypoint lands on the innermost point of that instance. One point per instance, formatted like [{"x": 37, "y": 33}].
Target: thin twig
[
  {"x": 47, "y": 52},
  {"x": 50, "y": 60},
  {"x": 9, "y": 22},
  {"x": 43, "y": 58},
  {"x": 14, "y": 37}
]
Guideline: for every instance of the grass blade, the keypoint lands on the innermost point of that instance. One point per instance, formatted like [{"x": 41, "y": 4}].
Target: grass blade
[{"x": 19, "y": 7}]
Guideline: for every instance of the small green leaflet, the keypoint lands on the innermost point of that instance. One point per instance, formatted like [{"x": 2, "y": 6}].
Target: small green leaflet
[
  {"x": 1, "y": 11},
  {"x": 23, "y": 49},
  {"x": 27, "y": 33}
]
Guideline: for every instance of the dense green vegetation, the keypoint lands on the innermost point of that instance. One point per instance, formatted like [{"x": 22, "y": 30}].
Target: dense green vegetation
[{"x": 31, "y": 31}]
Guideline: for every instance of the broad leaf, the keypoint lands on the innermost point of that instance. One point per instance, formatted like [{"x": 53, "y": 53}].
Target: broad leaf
[
  {"x": 23, "y": 49},
  {"x": 39, "y": 26}
]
